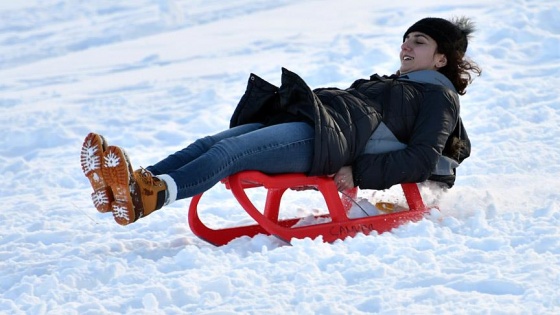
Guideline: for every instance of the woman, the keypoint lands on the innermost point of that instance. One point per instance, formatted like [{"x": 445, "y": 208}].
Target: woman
[{"x": 377, "y": 133}]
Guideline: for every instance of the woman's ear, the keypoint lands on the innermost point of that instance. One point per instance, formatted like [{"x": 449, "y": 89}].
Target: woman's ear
[{"x": 441, "y": 61}]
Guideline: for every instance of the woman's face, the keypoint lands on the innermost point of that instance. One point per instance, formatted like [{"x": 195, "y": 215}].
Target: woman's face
[{"x": 418, "y": 52}]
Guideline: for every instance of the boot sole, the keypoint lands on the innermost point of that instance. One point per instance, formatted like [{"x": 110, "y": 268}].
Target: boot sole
[
  {"x": 91, "y": 158},
  {"x": 117, "y": 172}
]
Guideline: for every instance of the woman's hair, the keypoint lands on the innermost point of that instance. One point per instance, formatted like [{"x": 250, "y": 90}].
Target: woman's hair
[{"x": 459, "y": 69}]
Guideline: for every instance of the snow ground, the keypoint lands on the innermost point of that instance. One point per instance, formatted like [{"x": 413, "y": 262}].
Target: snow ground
[{"x": 153, "y": 76}]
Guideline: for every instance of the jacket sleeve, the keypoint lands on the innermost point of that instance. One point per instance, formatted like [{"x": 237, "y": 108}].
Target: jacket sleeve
[{"x": 435, "y": 122}]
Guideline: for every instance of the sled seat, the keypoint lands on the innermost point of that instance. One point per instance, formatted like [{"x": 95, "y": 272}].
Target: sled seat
[{"x": 331, "y": 226}]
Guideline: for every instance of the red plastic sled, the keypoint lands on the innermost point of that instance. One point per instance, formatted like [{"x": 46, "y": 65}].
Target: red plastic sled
[{"x": 268, "y": 222}]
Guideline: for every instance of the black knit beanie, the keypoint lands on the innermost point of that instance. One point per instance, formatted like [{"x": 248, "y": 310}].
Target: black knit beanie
[{"x": 449, "y": 35}]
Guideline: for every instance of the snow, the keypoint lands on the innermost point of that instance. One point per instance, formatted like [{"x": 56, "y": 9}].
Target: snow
[{"x": 152, "y": 76}]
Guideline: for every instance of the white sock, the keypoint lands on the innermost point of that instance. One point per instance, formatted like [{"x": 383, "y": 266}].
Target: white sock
[{"x": 171, "y": 191}]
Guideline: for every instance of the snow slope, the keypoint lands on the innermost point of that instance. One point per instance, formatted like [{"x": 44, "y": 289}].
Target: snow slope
[{"x": 152, "y": 76}]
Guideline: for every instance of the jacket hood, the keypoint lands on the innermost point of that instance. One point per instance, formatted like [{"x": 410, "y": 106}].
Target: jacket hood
[{"x": 428, "y": 76}]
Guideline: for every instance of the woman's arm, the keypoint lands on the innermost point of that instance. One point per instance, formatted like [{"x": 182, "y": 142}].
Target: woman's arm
[{"x": 435, "y": 122}]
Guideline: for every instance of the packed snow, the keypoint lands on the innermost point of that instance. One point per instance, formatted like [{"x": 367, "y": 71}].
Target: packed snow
[{"x": 152, "y": 76}]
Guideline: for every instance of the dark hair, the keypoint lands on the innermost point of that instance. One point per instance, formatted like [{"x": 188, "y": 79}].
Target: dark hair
[{"x": 459, "y": 69}]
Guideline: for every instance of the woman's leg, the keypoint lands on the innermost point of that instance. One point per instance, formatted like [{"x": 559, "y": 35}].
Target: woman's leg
[
  {"x": 283, "y": 148},
  {"x": 180, "y": 158}
]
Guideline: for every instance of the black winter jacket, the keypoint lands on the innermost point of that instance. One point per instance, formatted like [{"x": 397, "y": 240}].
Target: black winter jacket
[{"x": 423, "y": 116}]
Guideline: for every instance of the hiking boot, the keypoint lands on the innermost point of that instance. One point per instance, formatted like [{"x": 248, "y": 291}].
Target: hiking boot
[
  {"x": 91, "y": 158},
  {"x": 152, "y": 189},
  {"x": 127, "y": 204},
  {"x": 136, "y": 194}
]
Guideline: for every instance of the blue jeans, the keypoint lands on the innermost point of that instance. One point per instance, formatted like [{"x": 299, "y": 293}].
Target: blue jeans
[{"x": 282, "y": 148}]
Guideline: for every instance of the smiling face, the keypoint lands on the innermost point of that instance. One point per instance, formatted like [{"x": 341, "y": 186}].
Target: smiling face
[{"x": 419, "y": 52}]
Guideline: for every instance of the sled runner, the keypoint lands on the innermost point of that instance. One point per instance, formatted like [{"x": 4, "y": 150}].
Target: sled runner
[{"x": 331, "y": 226}]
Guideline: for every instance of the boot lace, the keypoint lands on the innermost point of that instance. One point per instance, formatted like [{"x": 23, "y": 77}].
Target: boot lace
[{"x": 148, "y": 178}]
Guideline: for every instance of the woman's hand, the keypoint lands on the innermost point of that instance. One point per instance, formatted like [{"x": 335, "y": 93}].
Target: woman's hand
[{"x": 344, "y": 179}]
